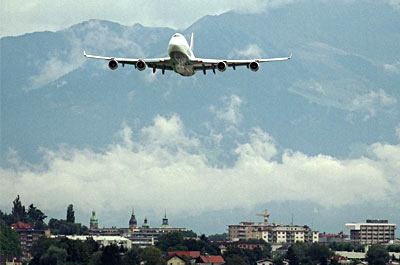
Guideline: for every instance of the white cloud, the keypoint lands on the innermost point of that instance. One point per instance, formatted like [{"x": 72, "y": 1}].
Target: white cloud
[
  {"x": 251, "y": 51},
  {"x": 97, "y": 38},
  {"x": 347, "y": 94},
  {"x": 230, "y": 112},
  {"x": 164, "y": 168},
  {"x": 18, "y": 17},
  {"x": 393, "y": 68},
  {"x": 371, "y": 102}
]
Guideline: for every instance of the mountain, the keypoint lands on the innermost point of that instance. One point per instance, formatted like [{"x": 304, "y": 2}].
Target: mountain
[{"x": 337, "y": 97}]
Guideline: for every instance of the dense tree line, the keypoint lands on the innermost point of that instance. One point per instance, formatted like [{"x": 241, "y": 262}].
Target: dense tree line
[
  {"x": 346, "y": 246},
  {"x": 32, "y": 216},
  {"x": 9, "y": 242}
]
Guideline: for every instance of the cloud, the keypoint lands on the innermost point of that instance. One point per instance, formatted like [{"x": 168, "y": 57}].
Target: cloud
[
  {"x": 393, "y": 68},
  {"x": 160, "y": 167},
  {"x": 346, "y": 94},
  {"x": 251, "y": 51},
  {"x": 96, "y": 38},
  {"x": 230, "y": 112},
  {"x": 18, "y": 17},
  {"x": 371, "y": 102}
]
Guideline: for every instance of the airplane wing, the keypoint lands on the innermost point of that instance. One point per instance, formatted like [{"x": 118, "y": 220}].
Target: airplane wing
[
  {"x": 155, "y": 63},
  {"x": 206, "y": 64}
]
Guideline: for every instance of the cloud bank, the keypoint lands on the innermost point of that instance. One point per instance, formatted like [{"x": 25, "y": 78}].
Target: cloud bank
[{"x": 160, "y": 167}]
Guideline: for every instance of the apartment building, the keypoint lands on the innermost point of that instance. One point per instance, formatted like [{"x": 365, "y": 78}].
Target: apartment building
[{"x": 371, "y": 232}]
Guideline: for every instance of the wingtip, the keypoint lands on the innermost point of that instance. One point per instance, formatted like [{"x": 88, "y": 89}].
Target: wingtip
[
  {"x": 290, "y": 57},
  {"x": 84, "y": 53}
]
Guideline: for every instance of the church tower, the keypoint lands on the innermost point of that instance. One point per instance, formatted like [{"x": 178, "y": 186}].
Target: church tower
[
  {"x": 165, "y": 221},
  {"x": 94, "y": 223},
  {"x": 145, "y": 224},
  {"x": 132, "y": 221}
]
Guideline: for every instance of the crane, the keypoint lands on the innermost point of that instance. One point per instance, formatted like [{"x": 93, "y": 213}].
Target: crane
[{"x": 265, "y": 215}]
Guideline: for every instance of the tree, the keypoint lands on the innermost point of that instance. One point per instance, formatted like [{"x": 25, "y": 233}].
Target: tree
[
  {"x": 70, "y": 214},
  {"x": 319, "y": 254},
  {"x": 110, "y": 255},
  {"x": 171, "y": 241},
  {"x": 9, "y": 242},
  {"x": 18, "y": 210},
  {"x": 377, "y": 255},
  {"x": 132, "y": 257},
  {"x": 36, "y": 217},
  {"x": 152, "y": 256},
  {"x": 53, "y": 256}
]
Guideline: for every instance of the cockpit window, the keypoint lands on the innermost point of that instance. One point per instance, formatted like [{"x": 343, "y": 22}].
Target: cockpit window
[{"x": 177, "y": 35}]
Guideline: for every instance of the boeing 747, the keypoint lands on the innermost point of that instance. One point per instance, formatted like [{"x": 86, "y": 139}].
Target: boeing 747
[{"x": 182, "y": 60}]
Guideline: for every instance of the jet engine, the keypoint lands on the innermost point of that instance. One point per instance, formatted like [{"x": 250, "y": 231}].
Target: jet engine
[
  {"x": 140, "y": 65},
  {"x": 254, "y": 66},
  {"x": 222, "y": 66},
  {"x": 113, "y": 64}
]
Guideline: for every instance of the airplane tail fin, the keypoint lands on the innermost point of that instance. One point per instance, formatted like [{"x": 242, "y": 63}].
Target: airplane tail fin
[{"x": 192, "y": 42}]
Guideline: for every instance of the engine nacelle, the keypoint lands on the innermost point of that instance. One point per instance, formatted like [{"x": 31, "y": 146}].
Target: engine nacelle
[
  {"x": 221, "y": 66},
  {"x": 254, "y": 66},
  {"x": 140, "y": 65},
  {"x": 113, "y": 64}
]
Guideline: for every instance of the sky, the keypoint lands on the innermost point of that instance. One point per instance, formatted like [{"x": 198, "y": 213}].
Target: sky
[
  {"x": 19, "y": 17},
  {"x": 132, "y": 164}
]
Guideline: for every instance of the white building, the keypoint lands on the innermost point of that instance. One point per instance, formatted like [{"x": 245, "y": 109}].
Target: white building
[
  {"x": 102, "y": 240},
  {"x": 371, "y": 232}
]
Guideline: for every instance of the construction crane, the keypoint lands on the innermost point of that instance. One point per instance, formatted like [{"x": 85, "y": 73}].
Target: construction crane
[{"x": 265, "y": 215}]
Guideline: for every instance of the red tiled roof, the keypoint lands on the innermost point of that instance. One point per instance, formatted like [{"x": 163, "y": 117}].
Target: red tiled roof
[
  {"x": 188, "y": 254},
  {"x": 212, "y": 259},
  {"x": 21, "y": 225}
]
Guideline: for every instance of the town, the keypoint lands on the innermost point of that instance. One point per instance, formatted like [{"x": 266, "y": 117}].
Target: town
[{"x": 26, "y": 239}]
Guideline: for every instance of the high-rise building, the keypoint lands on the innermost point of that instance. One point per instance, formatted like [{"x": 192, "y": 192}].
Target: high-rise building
[{"x": 371, "y": 232}]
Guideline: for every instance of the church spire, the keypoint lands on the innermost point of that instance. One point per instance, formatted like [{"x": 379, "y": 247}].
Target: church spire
[{"x": 132, "y": 221}]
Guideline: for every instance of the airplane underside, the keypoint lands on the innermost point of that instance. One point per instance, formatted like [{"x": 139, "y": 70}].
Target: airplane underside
[{"x": 181, "y": 64}]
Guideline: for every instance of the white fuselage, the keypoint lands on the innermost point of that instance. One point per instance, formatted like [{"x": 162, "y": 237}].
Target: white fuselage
[{"x": 181, "y": 55}]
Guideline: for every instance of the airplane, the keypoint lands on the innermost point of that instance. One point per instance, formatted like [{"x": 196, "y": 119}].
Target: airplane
[{"x": 182, "y": 60}]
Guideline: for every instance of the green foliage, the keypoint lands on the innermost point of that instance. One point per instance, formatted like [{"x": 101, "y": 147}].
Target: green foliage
[
  {"x": 218, "y": 237},
  {"x": 18, "y": 210},
  {"x": 393, "y": 248},
  {"x": 189, "y": 233},
  {"x": 377, "y": 255},
  {"x": 301, "y": 253},
  {"x": 9, "y": 242},
  {"x": 132, "y": 257},
  {"x": 36, "y": 218},
  {"x": 152, "y": 256},
  {"x": 53, "y": 256},
  {"x": 33, "y": 216},
  {"x": 171, "y": 241},
  {"x": 346, "y": 246},
  {"x": 62, "y": 227},
  {"x": 319, "y": 254},
  {"x": 70, "y": 214},
  {"x": 110, "y": 255},
  {"x": 76, "y": 252}
]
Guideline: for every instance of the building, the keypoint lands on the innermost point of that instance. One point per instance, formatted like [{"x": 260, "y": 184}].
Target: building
[
  {"x": 187, "y": 254},
  {"x": 132, "y": 221},
  {"x": 102, "y": 240},
  {"x": 326, "y": 239},
  {"x": 239, "y": 244},
  {"x": 268, "y": 261},
  {"x": 210, "y": 260},
  {"x": 10, "y": 260},
  {"x": 94, "y": 223},
  {"x": 143, "y": 236},
  {"x": 272, "y": 233},
  {"x": 371, "y": 232},
  {"x": 28, "y": 236},
  {"x": 175, "y": 260}
]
